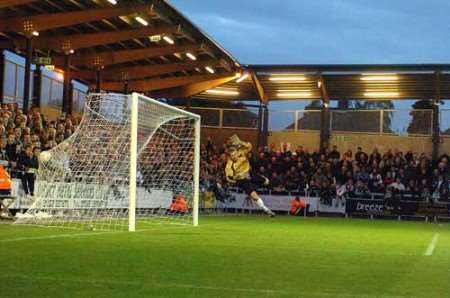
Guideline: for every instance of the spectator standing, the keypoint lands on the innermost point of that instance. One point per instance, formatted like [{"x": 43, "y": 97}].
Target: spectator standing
[
  {"x": 361, "y": 157},
  {"x": 334, "y": 154},
  {"x": 28, "y": 163}
]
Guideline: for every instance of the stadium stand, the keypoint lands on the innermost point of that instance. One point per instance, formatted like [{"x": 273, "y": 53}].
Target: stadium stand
[
  {"x": 24, "y": 136},
  {"x": 391, "y": 175}
]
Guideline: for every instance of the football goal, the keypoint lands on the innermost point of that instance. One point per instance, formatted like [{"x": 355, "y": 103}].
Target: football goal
[{"x": 132, "y": 162}]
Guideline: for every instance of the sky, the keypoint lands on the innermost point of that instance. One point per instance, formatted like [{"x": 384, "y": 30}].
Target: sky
[{"x": 326, "y": 31}]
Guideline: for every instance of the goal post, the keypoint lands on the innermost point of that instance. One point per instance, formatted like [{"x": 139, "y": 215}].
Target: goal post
[
  {"x": 133, "y": 161},
  {"x": 196, "y": 197}
]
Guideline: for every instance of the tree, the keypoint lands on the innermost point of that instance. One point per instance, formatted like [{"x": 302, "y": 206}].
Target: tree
[
  {"x": 421, "y": 114},
  {"x": 361, "y": 116}
]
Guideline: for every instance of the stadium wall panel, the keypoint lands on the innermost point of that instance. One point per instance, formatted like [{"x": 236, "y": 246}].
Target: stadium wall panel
[
  {"x": 368, "y": 142},
  {"x": 309, "y": 140},
  {"x": 220, "y": 135}
]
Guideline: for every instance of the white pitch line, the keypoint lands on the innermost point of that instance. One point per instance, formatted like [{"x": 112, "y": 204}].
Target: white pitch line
[
  {"x": 82, "y": 234},
  {"x": 432, "y": 245},
  {"x": 192, "y": 286},
  {"x": 272, "y": 291},
  {"x": 51, "y": 236},
  {"x": 72, "y": 280},
  {"x": 74, "y": 235}
]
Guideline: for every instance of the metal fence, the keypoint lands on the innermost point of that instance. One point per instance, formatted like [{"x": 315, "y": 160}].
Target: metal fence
[
  {"x": 392, "y": 122},
  {"x": 228, "y": 118},
  {"x": 398, "y": 122}
]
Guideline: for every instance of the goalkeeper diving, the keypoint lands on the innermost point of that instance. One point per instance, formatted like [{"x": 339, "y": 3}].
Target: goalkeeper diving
[{"x": 238, "y": 171}]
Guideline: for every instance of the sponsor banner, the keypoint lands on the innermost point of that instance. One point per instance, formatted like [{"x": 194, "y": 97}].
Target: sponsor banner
[
  {"x": 281, "y": 203},
  {"x": 337, "y": 206},
  {"x": 408, "y": 207},
  {"x": 80, "y": 195},
  {"x": 365, "y": 206},
  {"x": 274, "y": 202}
]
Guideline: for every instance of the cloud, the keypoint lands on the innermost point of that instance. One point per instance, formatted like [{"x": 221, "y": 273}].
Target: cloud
[{"x": 326, "y": 31}]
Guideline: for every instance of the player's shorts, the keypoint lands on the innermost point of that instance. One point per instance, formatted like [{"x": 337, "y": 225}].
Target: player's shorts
[{"x": 246, "y": 185}]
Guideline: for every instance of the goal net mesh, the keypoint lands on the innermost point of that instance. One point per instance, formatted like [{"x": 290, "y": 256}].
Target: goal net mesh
[{"x": 84, "y": 181}]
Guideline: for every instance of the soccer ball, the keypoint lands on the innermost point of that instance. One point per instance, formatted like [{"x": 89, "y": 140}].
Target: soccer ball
[{"x": 45, "y": 156}]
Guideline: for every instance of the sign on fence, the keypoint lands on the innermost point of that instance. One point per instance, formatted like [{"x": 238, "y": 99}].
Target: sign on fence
[{"x": 364, "y": 206}]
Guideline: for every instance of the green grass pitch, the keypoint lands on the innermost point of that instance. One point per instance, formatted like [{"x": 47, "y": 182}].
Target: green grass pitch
[{"x": 230, "y": 256}]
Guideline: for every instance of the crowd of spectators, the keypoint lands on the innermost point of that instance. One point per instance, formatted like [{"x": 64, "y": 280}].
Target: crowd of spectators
[
  {"x": 332, "y": 174},
  {"x": 24, "y": 136},
  {"x": 329, "y": 173}
]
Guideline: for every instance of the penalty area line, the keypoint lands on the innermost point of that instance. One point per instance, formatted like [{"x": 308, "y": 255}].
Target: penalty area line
[{"x": 432, "y": 245}]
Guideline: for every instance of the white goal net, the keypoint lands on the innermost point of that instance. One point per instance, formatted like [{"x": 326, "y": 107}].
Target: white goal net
[{"x": 132, "y": 160}]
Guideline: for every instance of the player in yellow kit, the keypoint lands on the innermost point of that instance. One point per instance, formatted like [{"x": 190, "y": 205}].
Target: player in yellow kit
[{"x": 238, "y": 171}]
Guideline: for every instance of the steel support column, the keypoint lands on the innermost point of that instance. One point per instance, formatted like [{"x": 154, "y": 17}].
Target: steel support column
[
  {"x": 324, "y": 116},
  {"x": 325, "y": 126},
  {"x": 27, "y": 81},
  {"x": 265, "y": 128},
  {"x": 98, "y": 80},
  {"x": 259, "y": 129},
  {"x": 2, "y": 74},
  {"x": 37, "y": 81},
  {"x": 67, "y": 89},
  {"x": 436, "y": 131}
]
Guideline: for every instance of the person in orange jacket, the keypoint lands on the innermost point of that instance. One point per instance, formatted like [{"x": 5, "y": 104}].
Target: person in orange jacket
[
  {"x": 182, "y": 204},
  {"x": 5, "y": 182},
  {"x": 178, "y": 205},
  {"x": 298, "y": 206}
]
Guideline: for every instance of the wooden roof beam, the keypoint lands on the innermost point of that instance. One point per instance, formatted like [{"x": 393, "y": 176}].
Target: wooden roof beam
[
  {"x": 142, "y": 71},
  {"x": 159, "y": 84},
  {"x": 11, "y": 3},
  {"x": 259, "y": 88},
  {"x": 78, "y": 41},
  {"x": 193, "y": 89},
  {"x": 117, "y": 57},
  {"x": 43, "y": 22}
]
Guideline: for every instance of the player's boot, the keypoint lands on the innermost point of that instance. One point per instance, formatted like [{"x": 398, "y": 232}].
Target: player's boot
[{"x": 271, "y": 213}]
